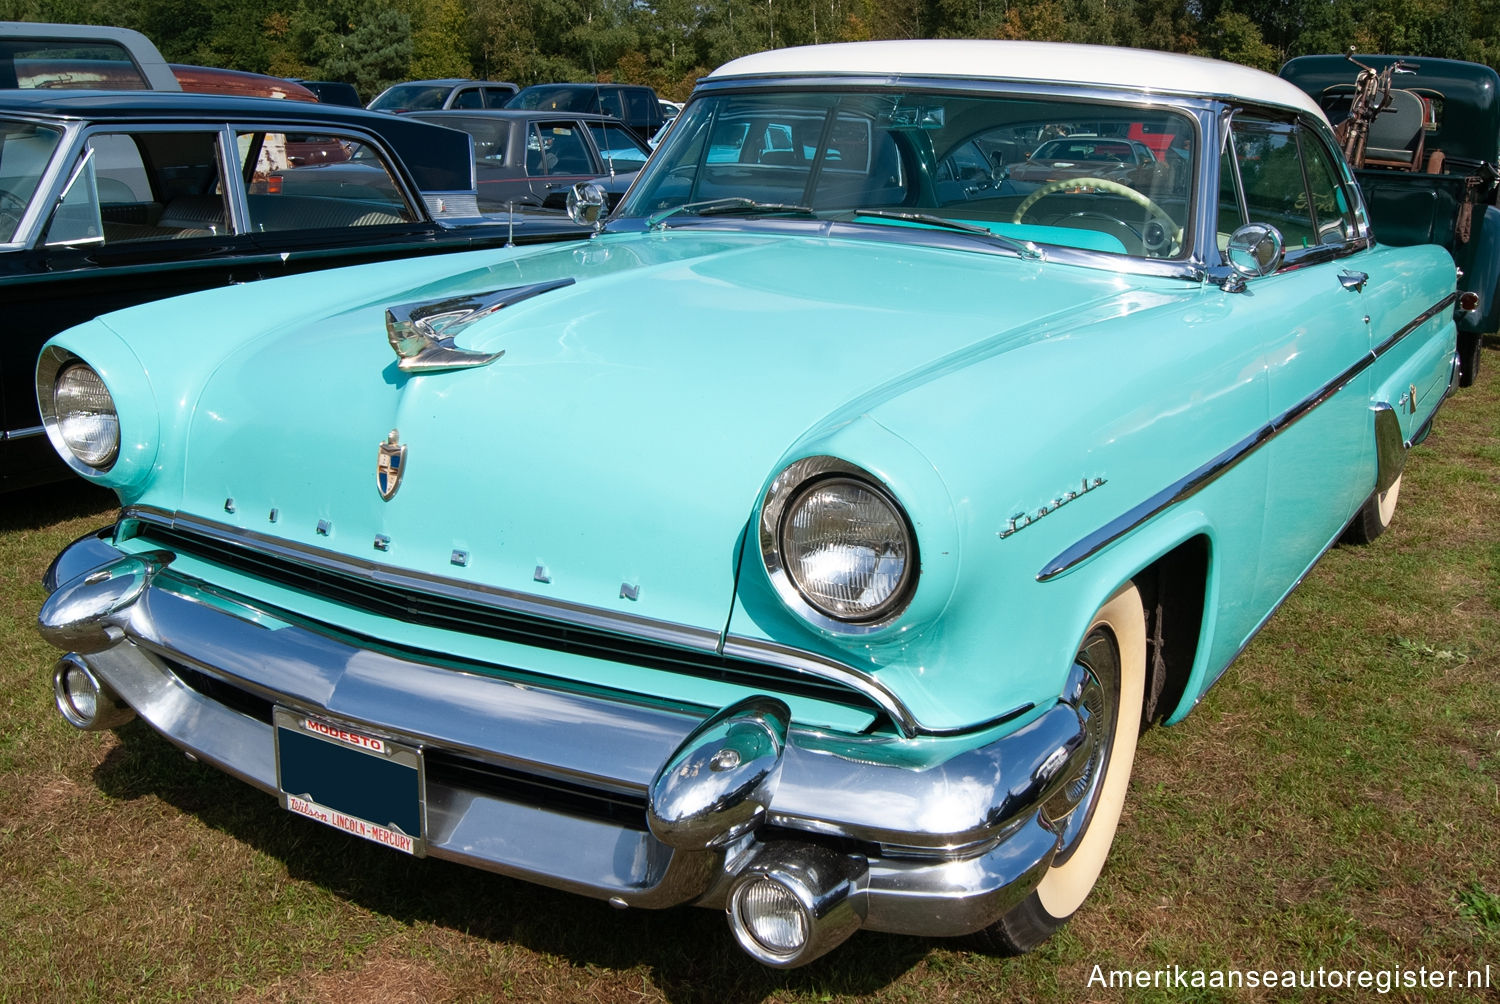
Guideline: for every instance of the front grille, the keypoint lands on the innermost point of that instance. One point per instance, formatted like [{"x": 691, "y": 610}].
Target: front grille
[
  {"x": 411, "y": 606},
  {"x": 554, "y": 795}
]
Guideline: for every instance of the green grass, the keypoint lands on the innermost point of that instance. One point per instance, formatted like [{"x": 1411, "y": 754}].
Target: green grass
[{"x": 1335, "y": 801}]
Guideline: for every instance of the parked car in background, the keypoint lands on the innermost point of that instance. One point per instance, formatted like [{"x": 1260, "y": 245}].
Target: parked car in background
[
  {"x": 75, "y": 56},
  {"x": 214, "y": 80},
  {"x": 430, "y": 95},
  {"x": 1427, "y": 156},
  {"x": 834, "y": 596},
  {"x": 333, "y": 92},
  {"x": 1087, "y": 156},
  {"x": 535, "y": 158},
  {"x": 108, "y": 200},
  {"x": 635, "y": 105}
]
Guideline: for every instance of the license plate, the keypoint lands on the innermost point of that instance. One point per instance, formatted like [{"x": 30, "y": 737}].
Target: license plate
[{"x": 360, "y": 783}]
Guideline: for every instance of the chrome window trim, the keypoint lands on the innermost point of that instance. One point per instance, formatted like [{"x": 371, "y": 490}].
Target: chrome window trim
[
  {"x": 1210, "y": 472},
  {"x": 29, "y": 229},
  {"x": 625, "y": 625}
]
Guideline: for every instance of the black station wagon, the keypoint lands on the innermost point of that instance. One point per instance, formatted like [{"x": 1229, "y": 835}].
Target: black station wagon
[{"x": 110, "y": 200}]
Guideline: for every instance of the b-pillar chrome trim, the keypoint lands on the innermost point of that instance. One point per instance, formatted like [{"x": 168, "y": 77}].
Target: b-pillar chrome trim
[{"x": 1222, "y": 464}]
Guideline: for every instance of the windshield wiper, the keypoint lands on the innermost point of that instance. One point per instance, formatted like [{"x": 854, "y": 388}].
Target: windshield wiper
[
  {"x": 737, "y": 205},
  {"x": 1026, "y": 249}
]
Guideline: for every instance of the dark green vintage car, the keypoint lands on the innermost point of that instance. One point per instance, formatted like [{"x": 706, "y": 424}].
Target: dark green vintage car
[{"x": 1423, "y": 137}]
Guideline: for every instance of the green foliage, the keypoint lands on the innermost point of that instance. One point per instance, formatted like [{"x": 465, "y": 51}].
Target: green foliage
[
  {"x": 669, "y": 43},
  {"x": 1480, "y": 906}
]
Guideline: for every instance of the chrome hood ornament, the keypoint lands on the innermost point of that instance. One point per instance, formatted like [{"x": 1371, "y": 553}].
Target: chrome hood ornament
[
  {"x": 422, "y": 333},
  {"x": 390, "y": 465}
]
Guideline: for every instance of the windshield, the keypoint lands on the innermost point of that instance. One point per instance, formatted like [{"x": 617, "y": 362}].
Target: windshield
[
  {"x": 25, "y": 151},
  {"x": 917, "y": 158}
]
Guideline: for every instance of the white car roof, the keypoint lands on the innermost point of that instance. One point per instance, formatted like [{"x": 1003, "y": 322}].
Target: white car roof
[{"x": 1136, "y": 69}]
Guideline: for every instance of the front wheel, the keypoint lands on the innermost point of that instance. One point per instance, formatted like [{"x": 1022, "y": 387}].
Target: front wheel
[{"x": 1107, "y": 686}]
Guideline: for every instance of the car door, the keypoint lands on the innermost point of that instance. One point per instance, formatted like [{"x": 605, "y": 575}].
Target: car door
[
  {"x": 557, "y": 155},
  {"x": 1321, "y": 457}
]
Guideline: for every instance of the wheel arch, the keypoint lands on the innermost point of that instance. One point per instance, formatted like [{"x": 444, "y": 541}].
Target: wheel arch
[{"x": 1174, "y": 596}]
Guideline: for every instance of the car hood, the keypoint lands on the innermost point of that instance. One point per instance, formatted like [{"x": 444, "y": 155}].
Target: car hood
[{"x": 612, "y": 456}]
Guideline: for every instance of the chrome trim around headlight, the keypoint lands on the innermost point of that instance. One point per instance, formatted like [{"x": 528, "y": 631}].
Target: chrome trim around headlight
[
  {"x": 50, "y": 365},
  {"x": 794, "y": 481}
]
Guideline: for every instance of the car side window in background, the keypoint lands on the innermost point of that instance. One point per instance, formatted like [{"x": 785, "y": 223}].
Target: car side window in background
[
  {"x": 312, "y": 181},
  {"x": 640, "y": 102},
  {"x": 610, "y": 103},
  {"x": 562, "y": 150},
  {"x": 150, "y": 186},
  {"x": 469, "y": 97},
  {"x": 73, "y": 64},
  {"x": 496, "y": 97},
  {"x": 617, "y": 146},
  {"x": 1275, "y": 188}
]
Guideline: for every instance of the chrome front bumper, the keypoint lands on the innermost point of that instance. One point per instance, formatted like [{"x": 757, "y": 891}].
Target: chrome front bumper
[{"x": 576, "y": 790}]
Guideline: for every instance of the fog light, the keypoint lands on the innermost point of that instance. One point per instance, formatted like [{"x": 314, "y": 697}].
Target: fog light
[
  {"x": 83, "y": 700},
  {"x": 770, "y": 914},
  {"x": 792, "y": 902}
]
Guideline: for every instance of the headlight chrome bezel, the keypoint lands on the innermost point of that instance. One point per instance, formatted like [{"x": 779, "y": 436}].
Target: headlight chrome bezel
[
  {"x": 789, "y": 487},
  {"x": 51, "y": 365}
]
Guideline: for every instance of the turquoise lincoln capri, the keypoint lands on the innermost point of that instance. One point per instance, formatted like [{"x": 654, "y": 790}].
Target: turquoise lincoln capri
[{"x": 812, "y": 543}]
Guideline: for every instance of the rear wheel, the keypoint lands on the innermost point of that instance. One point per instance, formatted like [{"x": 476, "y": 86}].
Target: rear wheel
[
  {"x": 1107, "y": 686},
  {"x": 1374, "y": 516},
  {"x": 1470, "y": 348}
]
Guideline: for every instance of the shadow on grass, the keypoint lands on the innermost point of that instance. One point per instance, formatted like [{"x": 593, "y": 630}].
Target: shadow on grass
[
  {"x": 690, "y": 951},
  {"x": 37, "y": 508}
]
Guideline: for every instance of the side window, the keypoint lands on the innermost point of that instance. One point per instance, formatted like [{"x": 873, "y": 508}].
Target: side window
[
  {"x": 145, "y": 186},
  {"x": 315, "y": 181},
  {"x": 640, "y": 102},
  {"x": 469, "y": 97},
  {"x": 25, "y": 152},
  {"x": 496, "y": 97},
  {"x": 562, "y": 150},
  {"x": 610, "y": 103},
  {"x": 1275, "y": 188},
  {"x": 1331, "y": 211},
  {"x": 1230, "y": 216},
  {"x": 617, "y": 147}
]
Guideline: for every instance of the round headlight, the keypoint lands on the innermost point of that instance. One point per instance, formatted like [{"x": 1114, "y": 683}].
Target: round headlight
[
  {"x": 85, "y": 416},
  {"x": 846, "y": 548}
]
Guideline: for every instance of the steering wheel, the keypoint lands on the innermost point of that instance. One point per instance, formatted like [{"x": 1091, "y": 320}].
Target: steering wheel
[
  {"x": 12, "y": 208},
  {"x": 1171, "y": 235}
]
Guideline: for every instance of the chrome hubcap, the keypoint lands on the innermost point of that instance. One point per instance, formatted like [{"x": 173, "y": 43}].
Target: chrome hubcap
[{"x": 1094, "y": 690}]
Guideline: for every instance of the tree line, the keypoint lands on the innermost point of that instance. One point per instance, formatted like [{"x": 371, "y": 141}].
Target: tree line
[{"x": 670, "y": 43}]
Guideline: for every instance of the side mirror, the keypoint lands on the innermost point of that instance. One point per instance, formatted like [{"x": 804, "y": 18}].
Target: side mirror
[
  {"x": 1255, "y": 249},
  {"x": 586, "y": 205}
]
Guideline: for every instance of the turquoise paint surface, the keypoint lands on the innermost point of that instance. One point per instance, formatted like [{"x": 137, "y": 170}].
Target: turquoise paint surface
[{"x": 630, "y": 429}]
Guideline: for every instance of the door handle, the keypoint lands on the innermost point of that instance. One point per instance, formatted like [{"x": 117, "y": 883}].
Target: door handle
[{"x": 1353, "y": 280}]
